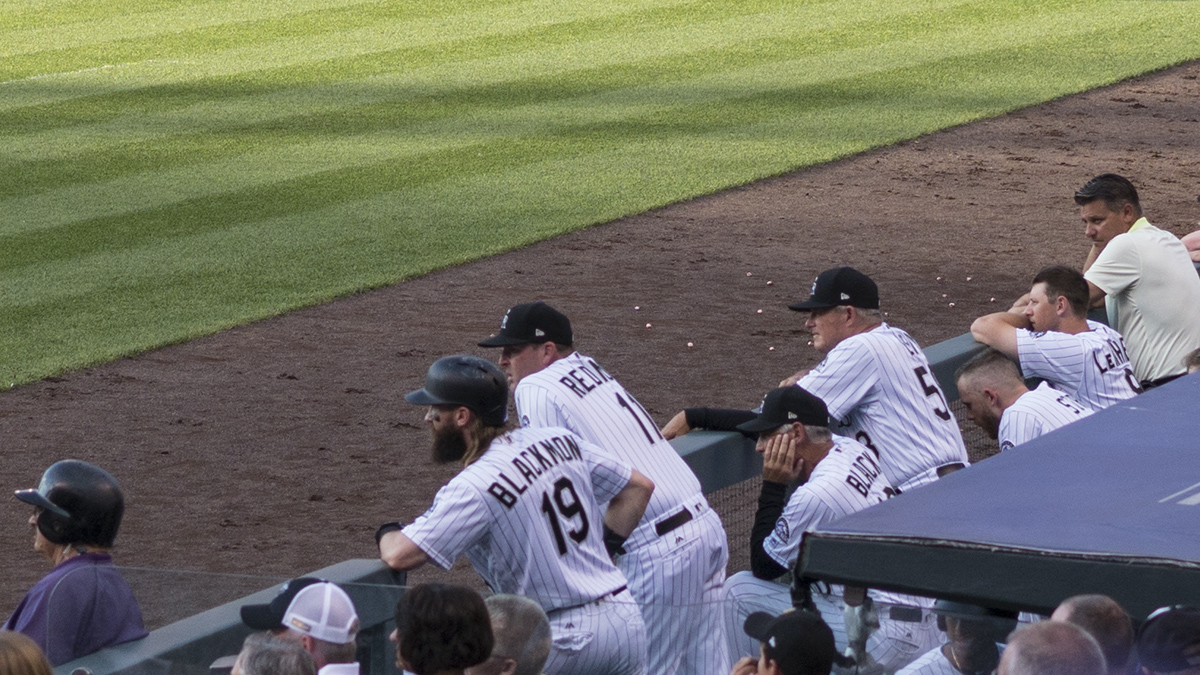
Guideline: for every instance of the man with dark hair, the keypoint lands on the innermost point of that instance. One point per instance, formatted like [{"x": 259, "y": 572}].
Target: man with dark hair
[
  {"x": 525, "y": 510},
  {"x": 84, "y": 604},
  {"x": 441, "y": 630},
  {"x": 522, "y": 632},
  {"x": 1106, "y": 621},
  {"x": 997, "y": 400},
  {"x": 1052, "y": 648},
  {"x": 839, "y": 477},
  {"x": 553, "y": 385},
  {"x": 971, "y": 636},
  {"x": 1049, "y": 334},
  {"x": 318, "y": 616},
  {"x": 1144, "y": 276},
  {"x": 1169, "y": 641}
]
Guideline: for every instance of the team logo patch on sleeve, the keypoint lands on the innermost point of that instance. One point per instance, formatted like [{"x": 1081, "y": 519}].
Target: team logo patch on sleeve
[
  {"x": 782, "y": 531},
  {"x": 1007, "y": 445}
]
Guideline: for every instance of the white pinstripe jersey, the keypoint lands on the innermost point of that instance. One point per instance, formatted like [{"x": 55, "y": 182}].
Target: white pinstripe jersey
[
  {"x": 1093, "y": 366},
  {"x": 847, "y": 480},
  {"x": 880, "y": 389},
  {"x": 932, "y": 662},
  {"x": 576, "y": 393},
  {"x": 526, "y": 515},
  {"x": 1037, "y": 412}
]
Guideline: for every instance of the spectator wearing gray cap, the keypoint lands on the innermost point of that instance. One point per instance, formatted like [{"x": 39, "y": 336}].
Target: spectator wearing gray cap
[
  {"x": 315, "y": 614},
  {"x": 1106, "y": 621},
  {"x": 522, "y": 637},
  {"x": 1169, "y": 641},
  {"x": 1052, "y": 648},
  {"x": 971, "y": 636},
  {"x": 265, "y": 654}
]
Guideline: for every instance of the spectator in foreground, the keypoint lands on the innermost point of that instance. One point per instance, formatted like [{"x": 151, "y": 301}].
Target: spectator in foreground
[
  {"x": 1104, "y": 620},
  {"x": 1169, "y": 641},
  {"x": 441, "y": 630},
  {"x": 997, "y": 400},
  {"x": 1144, "y": 277},
  {"x": 318, "y": 616},
  {"x": 971, "y": 636},
  {"x": 83, "y": 605},
  {"x": 522, "y": 637},
  {"x": 20, "y": 655},
  {"x": 1049, "y": 334},
  {"x": 265, "y": 654},
  {"x": 794, "y": 643},
  {"x": 1052, "y": 648}
]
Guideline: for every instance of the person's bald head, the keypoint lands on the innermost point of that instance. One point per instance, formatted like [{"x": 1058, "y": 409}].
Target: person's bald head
[
  {"x": 1052, "y": 648},
  {"x": 1104, "y": 620}
]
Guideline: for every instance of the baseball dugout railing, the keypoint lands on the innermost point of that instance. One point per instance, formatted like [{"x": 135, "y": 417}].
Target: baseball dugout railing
[{"x": 200, "y": 613}]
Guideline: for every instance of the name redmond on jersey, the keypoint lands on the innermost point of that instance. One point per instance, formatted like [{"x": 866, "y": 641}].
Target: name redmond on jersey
[
  {"x": 581, "y": 381},
  {"x": 531, "y": 463}
]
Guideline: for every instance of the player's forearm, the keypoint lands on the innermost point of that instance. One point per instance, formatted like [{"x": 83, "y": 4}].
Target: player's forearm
[
  {"x": 771, "y": 501},
  {"x": 1093, "y": 253},
  {"x": 999, "y": 330},
  {"x": 1095, "y": 296},
  {"x": 625, "y": 510},
  {"x": 399, "y": 552},
  {"x": 717, "y": 419}
]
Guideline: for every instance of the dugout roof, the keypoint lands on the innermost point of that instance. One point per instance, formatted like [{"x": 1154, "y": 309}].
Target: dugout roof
[{"x": 1108, "y": 505}]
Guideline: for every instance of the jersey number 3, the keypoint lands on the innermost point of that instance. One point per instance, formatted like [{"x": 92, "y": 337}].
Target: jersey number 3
[{"x": 569, "y": 509}]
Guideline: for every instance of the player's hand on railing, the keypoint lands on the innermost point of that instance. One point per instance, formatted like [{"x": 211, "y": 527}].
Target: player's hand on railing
[
  {"x": 793, "y": 379},
  {"x": 678, "y": 426}
]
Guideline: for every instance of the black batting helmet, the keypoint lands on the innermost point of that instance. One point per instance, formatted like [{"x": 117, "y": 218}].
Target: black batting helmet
[
  {"x": 81, "y": 504},
  {"x": 467, "y": 381}
]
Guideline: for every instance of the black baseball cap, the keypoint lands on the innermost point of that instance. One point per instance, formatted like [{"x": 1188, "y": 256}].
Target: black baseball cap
[
  {"x": 1169, "y": 640},
  {"x": 799, "y": 641},
  {"x": 786, "y": 405},
  {"x": 270, "y": 615},
  {"x": 531, "y": 322},
  {"x": 841, "y": 286}
]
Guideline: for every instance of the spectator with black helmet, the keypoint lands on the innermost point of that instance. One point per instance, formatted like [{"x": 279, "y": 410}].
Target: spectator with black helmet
[
  {"x": 83, "y": 605},
  {"x": 441, "y": 629},
  {"x": 1169, "y": 641},
  {"x": 971, "y": 636},
  {"x": 318, "y": 616},
  {"x": 793, "y": 643},
  {"x": 1106, "y": 621},
  {"x": 21, "y": 656}
]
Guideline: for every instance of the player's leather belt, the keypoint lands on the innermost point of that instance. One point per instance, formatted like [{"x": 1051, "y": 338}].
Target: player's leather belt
[
  {"x": 947, "y": 469},
  {"x": 666, "y": 525},
  {"x": 905, "y": 614}
]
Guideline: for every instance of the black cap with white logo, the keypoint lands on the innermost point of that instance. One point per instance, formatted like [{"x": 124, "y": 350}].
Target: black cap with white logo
[
  {"x": 786, "y": 405},
  {"x": 534, "y": 322},
  {"x": 841, "y": 286}
]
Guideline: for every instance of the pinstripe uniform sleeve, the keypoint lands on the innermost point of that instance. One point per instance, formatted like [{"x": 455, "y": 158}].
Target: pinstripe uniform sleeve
[
  {"x": 1053, "y": 356},
  {"x": 609, "y": 474},
  {"x": 804, "y": 512},
  {"x": 457, "y": 520},
  {"x": 846, "y": 376},
  {"x": 537, "y": 407}
]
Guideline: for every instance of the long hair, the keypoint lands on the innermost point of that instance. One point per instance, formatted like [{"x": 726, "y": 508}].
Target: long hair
[{"x": 21, "y": 656}]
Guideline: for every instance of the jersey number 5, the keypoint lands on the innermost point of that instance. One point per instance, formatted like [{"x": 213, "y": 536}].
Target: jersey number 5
[
  {"x": 931, "y": 389},
  {"x": 568, "y": 509}
]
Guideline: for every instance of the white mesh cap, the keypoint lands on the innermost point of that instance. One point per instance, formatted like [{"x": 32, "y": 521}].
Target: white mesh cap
[{"x": 323, "y": 611}]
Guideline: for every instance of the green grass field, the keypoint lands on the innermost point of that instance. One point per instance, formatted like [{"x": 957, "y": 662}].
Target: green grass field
[{"x": 175, "y": 167}]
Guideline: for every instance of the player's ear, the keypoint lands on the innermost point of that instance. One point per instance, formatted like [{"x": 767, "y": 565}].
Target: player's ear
[
  {"x": 462, "y": 416},
  {"x": 509, "y": 667}
]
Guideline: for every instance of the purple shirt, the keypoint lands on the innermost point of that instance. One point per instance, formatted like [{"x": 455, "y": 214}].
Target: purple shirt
[{"x": 80, "y": 607}]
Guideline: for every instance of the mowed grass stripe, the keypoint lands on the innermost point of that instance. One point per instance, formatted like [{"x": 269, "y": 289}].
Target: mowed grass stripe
[
  {"x": 469, "y": 86},
  {"x": 822, "y": 108},
  {"x": 307, "y": 156},
  {"x": 188, "y": 268}
]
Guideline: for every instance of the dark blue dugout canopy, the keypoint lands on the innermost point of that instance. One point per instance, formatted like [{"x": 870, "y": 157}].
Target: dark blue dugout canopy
[{"x": 1110, "y": 504}]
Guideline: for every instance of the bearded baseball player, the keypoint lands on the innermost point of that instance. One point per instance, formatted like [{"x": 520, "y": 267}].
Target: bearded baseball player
[
  {"x": 1049, "y": 334},
  {"x": 525, "y": 510},
  {"x": 675, "y": 559},
  {"x": 997, "y": 400},
  {"x": 839, "y": 477}
]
